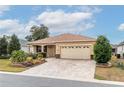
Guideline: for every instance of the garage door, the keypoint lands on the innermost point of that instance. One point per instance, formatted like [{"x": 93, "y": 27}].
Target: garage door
[{"x": 76, "y": 52}]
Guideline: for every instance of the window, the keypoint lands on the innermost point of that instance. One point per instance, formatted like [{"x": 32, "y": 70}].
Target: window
[
  {"x": 45, "y": 48},
  {"x": 79, "y": 46},
  {"x": 76, "y": 46},
  {"x": 38, "y": 49}
]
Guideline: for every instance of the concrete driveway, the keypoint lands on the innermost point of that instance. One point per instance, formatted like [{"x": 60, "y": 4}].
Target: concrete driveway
[{"x": 64, "y": 69}]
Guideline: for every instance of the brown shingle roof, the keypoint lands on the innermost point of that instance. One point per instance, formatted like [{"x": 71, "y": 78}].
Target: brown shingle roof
[{"x": 63, "y": 38}]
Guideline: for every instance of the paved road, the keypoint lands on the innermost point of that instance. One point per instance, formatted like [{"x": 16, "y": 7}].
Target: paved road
[{"x": 8, "y": 80}]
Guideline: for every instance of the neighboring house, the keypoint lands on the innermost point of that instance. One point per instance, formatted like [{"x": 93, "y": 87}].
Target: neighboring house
[
  {"x": 120, "y": 49},
  {"x": 114, "y": 49},
  {"x": 68, "y": 46},
  {"x": 24, "y": 46}
]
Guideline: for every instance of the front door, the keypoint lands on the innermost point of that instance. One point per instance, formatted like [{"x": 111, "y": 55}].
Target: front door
[{"x": 51, "y": 51}]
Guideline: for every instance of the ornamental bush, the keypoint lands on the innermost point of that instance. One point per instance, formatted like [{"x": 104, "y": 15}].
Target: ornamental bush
[
  {"x": 18, "y": 56},
  {"x": 33, "y": 55},
  {"x": 102, "y": 50},
  {"x": 39, "y": 56},
  {"x": 29, "y": 59}
]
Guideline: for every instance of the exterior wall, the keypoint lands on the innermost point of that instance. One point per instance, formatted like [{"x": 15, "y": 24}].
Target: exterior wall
[
  {"x": 120, "y": 50},
  {"x": 56, "y": 50},
  {"x": 58, "y": 45}
]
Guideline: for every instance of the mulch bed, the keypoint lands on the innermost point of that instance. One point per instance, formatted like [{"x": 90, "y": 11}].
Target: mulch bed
[
  {"x": 104, "y": 65},
  {"x": 27, "y": 64}
]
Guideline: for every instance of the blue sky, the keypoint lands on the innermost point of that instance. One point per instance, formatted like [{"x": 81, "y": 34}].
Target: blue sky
[{"x": 86, "y": 20}]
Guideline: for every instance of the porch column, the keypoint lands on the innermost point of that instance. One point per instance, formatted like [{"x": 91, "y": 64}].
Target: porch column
[
  {"x": 29, "y": 51},
  {"x": 42, "y": 48},
  {"x": 33, "y": 49}
]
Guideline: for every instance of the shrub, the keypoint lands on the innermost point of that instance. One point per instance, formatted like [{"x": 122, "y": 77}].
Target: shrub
[
  {"x": 18, "y": 56},
  {"x": 120, "y": 65},
  {"x": 33, "y": 55},
  {"x": 102, "y": 50},
  {"x": 39, "y": 56},
  {"x": 4, "y": 57},
  {"x": 29, "y": 59},
  {"x": 44, "y": 54},
  {"x": 113, "y": 58}
]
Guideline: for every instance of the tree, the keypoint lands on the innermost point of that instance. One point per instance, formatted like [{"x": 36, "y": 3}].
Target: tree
[
  {"x": 14, "y": 44},
  {"x": 102, "y": 50},
  {"x": 38, "y": 32},
  {"x": 28, "y": 38},
  {"x": 3, "y": 46}
]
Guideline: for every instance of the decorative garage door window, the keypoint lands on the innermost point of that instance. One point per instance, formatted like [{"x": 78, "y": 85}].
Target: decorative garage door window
[{"x": 75, "y": 47}]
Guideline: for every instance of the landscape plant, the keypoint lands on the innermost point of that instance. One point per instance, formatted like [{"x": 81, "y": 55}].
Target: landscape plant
[
  {"x": 102, "y": 50},
  {"x": 33, "y": 55},
  {"x": 29, "y": 59},
  {"x": 38, "y": 32},
  {"x": 39, "y": 56},
  {"x": 3, "y": 46},
  {"x": 18, "y": 56},
  {"x": 14, "y": 44}
]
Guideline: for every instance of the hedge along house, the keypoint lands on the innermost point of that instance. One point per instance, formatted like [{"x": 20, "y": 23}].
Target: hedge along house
[{"x": 68, "y": 46}]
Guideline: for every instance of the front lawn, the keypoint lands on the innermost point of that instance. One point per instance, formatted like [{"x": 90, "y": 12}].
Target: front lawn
[
  {"x": 113, "y": 73},
  {"x": 5, "y": 65}
]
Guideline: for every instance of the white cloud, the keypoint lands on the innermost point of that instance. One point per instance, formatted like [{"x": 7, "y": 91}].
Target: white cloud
[
  {"x": 121, "y": 27},
  {"x": 93, "y": 9},
  {"x": 4, "y": 8},
  {"x": 61, "y": 22},
  {"x": 9, "y": 27},
  {"x": 57, "y": 21}
]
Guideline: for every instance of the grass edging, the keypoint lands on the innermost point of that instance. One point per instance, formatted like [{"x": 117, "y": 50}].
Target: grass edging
[{"x": 99, "y": 77}]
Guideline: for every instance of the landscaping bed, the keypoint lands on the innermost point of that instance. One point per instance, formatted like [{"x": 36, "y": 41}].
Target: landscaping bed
[
  {"x": 20, "y": 61},
  {"x": 28, "y": 64}
]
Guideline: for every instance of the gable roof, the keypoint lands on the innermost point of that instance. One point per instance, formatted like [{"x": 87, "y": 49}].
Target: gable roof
[
  {"x": 63, "y": 38},
  {"x": 114, "y": 45},
  {"x": 120, "y": 44}
]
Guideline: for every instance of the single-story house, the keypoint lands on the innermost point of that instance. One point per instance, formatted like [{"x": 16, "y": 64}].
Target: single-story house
[
  {"x": 120, "y": 49},
  {"x": 67, "y": 46},
  {"x": 114, "y": 49}
]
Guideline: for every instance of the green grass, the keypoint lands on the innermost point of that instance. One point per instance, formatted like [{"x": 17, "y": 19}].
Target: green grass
[
  {"x": 5, "y": 65},
  {"x": 99, "y": 77}
]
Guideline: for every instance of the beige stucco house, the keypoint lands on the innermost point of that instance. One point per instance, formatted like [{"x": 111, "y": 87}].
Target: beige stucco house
[{"x": 68, "y": 46}]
